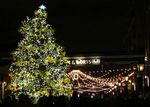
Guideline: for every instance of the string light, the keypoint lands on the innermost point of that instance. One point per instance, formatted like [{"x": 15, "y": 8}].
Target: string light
[{"x": 106, "y": 82}]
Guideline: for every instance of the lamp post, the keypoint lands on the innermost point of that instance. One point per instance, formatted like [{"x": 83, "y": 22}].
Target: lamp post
[
  {"x": 147, "y": 80},
  {"x": 3, "y": 84}
]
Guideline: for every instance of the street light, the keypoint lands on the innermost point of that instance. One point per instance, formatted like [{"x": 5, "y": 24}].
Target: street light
[
  {"x": 134, "y": 86},
  {"x": 141, "y": 67},
  {"x": 3, "y": 88},
  {"x": 146, "y": 59},
  {"x": 147, "y": 79}
]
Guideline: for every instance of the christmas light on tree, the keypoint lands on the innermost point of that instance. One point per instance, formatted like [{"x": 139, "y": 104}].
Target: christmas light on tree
[{"x": 39, "y": 66}]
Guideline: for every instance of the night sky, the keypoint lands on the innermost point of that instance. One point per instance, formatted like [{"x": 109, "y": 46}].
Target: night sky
[{"x": 81, "y": 26}]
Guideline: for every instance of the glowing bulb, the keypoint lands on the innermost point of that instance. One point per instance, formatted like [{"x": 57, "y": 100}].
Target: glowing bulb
[
  {"x": 146, "y": 59},
  {"x": 91, "y": 96},
  {"x": 78, "y": 95},
  {"x": 126, "y": 78},
  {"x": 129, "y": 81},
  {"x": 141, "y": 67}
]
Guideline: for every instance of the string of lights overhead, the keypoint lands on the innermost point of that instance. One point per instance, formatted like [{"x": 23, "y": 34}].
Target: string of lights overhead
[{"x": 107, "y": 82}]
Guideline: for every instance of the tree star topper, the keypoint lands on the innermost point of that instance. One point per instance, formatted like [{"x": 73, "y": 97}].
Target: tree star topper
[{"x": 42, "y": 7}]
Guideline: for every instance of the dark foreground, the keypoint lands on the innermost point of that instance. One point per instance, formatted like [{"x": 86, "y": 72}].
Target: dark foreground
[{"x": 120, "y": 100}]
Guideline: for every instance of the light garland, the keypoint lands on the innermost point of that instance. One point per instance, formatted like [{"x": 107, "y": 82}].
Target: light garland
[{"x": 106, "y": 82}]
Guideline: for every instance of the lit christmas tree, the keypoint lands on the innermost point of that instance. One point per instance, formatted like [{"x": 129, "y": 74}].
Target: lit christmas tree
[{"x": 39, "y": 67}]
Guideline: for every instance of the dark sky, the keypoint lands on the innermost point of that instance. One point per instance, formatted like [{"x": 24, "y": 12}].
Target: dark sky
[{"x": 82, "y": 26}]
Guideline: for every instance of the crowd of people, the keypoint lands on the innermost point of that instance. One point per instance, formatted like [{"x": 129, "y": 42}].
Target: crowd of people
[{"x": 107, "y": 100}]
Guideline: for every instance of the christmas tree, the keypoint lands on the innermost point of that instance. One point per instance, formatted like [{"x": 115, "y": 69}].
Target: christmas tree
[{"x": 39, "y": 66}]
